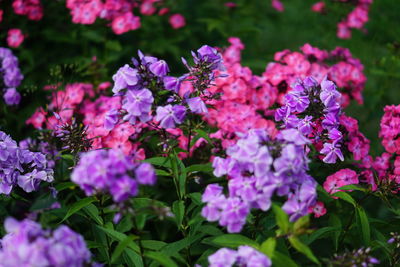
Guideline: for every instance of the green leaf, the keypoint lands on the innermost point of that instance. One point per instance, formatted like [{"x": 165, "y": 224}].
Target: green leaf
[
  {"x": 119, "y": 237},
  {"x": 234, "y": 240},
  {"x": 153, "y": 244},
  {"x": 336, "y": 223},
  {"x": 320, "y": 233},
  {"x": 282, "y": 219},
  {"x": 281, "y": 260},
  {"x": 203, "y": 134},
  {"x": 268, "y": 246},
  {"x": 364, "y": 225},
  {"x": 132, "y": 258},
  {"x": 159, "y": 161},
  {"x": 77, "y": 206},
  {"x": 352, "y": 187},
  {"x": 93, "y": 213},
  {"x": 121, "y": 247},
  {"x": 62, "y": 186},
  {"x": 207, "y": 168},
  {"x": 178, "y": 208},
  {"x": 346, "y": 197},
  {"x": 177, "y": 246},
  {"x": 303, "y": 248},
  {"x": 162, "y": 173},
  {"x": 301, "y": 224},
  {"x": 160, "y": 257}
]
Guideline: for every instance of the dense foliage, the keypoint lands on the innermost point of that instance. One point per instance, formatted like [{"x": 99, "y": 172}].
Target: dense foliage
[{"x": 199, "y": 133}]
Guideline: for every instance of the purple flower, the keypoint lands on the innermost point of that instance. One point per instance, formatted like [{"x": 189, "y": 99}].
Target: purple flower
[
  {"x": 110, "y": 171},
  {"x": 196, "y": 105},
  {"x": 297, "y": 102},
  {"x": 332, "y": 153},
  {"x": 145, "y": 174},
  {"x": 159, "y": 68},
  {"x": 170, "y": 115},
  {"x": 27, "y": 244},
  {"x": 253, "y": 182},
  {"x": 12, "y": 97},
  {"x": 21, "y": 166},
  {"x": 305, "y": 125},
  {"x": 224, "y": 257},
  {"x": 209, "y": 55},
  {"x": 172, "y": 83},
  {"x": 137, "y": 104},
  {"x": 245, "y": 256},
  {"x": 124, "y": 78},
  {"x": 111, "y": 119}
]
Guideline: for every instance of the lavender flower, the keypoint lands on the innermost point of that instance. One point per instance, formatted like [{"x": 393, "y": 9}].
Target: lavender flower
[
  {"x": 124, "y": 78},
  {"x": 314, "y": 110},
  {"x": 259, "y": 168},
  {"x": 11, "y": 76},
  {"x": 196, "y": 105},
  {"x": 159, "y": 68},
  {"x": 170, "y": 115},
  {"x": 21, "y": 167},
  {"x": 137, "y": 104},
  {"x": 113, "y": 172},
  {"x": 245, "y": 256},
  {"x": 27, "y": 244}
]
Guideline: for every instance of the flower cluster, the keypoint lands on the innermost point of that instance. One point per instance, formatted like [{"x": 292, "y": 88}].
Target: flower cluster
[
  {"x": 245, "y": 256},
  {"x": 259, "y": 167},
  {"x": 390, "y": 129},
  {"x": 77, "y": 100},
  {"x": 27, "y": 244},
  {"x": 140, "y": 84},
  {"x": 243, "y": 97},
  {"x": 21, "y": 167},
  {"x": 314, "y": 110},
  {"x": 10, "y": 76},
  {"x": 356, "y": 19},
  {"x": 112, "y": 172},
  {"x": 119, "y": 13},
  {"x": 340, "y": 178},
  {"x": 346, "y": 73},
  {"x": 357, "y": 258},
  {"x": 30, "y": 8}
]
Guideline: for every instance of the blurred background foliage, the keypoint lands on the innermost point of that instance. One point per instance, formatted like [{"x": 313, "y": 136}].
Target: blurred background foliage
[{"x": 56, "y": 50}]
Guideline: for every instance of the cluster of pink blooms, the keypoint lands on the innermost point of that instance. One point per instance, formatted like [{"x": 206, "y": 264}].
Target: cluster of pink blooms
[
  {"x": 119, "y": 13},
  {"x": 78, "y": 99},
  {"x": 246, "y": 99},
  {"x": 32, "y": 9},
  {"x": 346, "y": 73},
  {"x": 387, "y": 165},
  {"x": 356, "y": 19},
  {"x": 242, "y": 96}
]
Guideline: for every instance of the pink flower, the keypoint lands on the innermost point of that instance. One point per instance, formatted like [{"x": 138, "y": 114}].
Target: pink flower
[
  {"x": 318, "y": 7},
  {"x": 15, "y": 38},
  {"x": 277, "y": 5},
  {"x": 318, "y": 209},
  {"x": 177, "y": 21},
  {"x": 125, "y": 23},
  {"x": 340, "y": 178},
  {"x": 147, "y": 8},
  {"x": 343, "y": 31},
  {"x": 37, "y": 119},
  {"x": 1, "y": 15}
]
